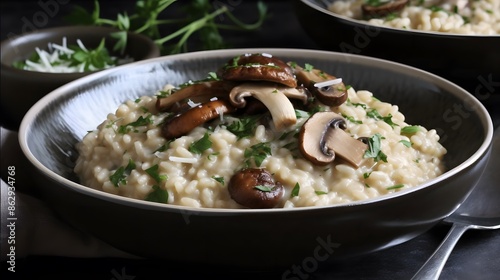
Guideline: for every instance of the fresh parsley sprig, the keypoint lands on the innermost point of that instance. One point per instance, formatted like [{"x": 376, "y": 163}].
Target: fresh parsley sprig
[{"x": 147, "y": 19}]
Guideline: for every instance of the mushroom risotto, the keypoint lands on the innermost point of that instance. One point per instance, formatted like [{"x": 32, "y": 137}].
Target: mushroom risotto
[
  {"x": 480, "y": 17},
  {"x": 258, "y": 133}
]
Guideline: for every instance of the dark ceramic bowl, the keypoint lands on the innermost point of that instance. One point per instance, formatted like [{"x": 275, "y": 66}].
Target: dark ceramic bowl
[
  {"x": 20, "y": 89},
  {"x": 255, "y": 238},
  {"x": 471, "y": 61}
]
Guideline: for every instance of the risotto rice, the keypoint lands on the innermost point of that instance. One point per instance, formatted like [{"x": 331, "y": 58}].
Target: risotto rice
[
  {"x": 479, "y": 17},
  {"x": 126, "y": 155}
]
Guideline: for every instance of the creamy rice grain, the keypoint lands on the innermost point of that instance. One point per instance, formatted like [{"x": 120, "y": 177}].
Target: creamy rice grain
[
  {"x": 478, "y": 17},
  {"x": 136, "y": 161}
]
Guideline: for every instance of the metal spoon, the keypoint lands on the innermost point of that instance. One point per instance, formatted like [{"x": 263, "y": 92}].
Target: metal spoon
[{"x": 481, "y": 210}]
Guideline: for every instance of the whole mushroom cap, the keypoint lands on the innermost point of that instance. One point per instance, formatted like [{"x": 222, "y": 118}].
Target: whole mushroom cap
[
  {"x": 255, "y": 188},
  {"x": 258, "y": 67}
]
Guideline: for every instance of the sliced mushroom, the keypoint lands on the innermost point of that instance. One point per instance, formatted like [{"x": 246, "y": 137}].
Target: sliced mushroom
[
  {"x": 182, "y": 124},
  {"x": 255, "y": 188},
  {"x": 258, "y": 67},
  {"x": 206, "y": 90},
  {"x": 322, "y": 138},
  {"x": 327, "y": 88},
  {"x": 382, "y": 9},
  {"x": 273, "y": 96}
]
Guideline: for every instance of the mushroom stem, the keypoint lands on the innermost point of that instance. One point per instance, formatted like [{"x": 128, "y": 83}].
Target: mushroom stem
[
  {"x": 322, "y": 138},
  {"x": 345, "y": 146},
  {"x": 272, "y": 95}
]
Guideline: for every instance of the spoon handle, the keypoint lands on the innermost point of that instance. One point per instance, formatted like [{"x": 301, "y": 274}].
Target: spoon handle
[{"x": 434, "y": 265}]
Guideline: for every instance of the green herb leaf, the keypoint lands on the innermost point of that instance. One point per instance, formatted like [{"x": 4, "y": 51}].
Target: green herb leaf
[
  {"x": 406, "y": 143},
  {"x": 395, "y": 187},
  {"x": 411, "y": 129},
  {"x": 320, "y": 192},
  {"x": 264, "y": 188},
  {"x": 141, "y": 121},
  {"x": 218, "y": 179},
  {"x": 258, "y": 152},
  {"x": 351, "y": 119},
  {"x": 374, "y": 114},
  {"x": 157, "y": 195},
  {"x": 244, "y": 127},
  {"x": 120, "y": 175},
  {"x": 301, "y": 114},
  {"x": 295, "y": 190},
  {"x": 153, "y": 172},
  {"x": 374, "y": 149},
  {"x": 198, "y": 147}
]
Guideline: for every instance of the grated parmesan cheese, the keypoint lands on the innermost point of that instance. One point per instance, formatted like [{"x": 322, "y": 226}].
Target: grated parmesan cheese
[{"x": 328, "y": 83}]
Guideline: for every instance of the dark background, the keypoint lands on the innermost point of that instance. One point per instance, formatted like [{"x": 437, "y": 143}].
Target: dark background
[{"x": 475, "y": 256}]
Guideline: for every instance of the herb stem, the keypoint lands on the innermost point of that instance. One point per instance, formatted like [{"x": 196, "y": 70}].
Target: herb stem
[{"x": 192, "y": 27}]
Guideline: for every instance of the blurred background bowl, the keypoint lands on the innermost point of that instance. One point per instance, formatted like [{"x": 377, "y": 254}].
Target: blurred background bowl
[
  {"x": 471, "y": 61},
  {"x": 254, "y": 238},
  {"x": 20, "y": 89}
]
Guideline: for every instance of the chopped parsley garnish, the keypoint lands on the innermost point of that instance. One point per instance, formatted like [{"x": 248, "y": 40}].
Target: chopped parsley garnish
[
  {"x": 374, "y": 114},
  {"x": 198, "y": 147},
  {"x": 258, "y": 152},
  {"x": 411, "y": 129},
  {"x": 366, "y": 175},
  {"x": 141, "y": 121},
  {"x": 164, "y": 147},
  {"x": 375, "y": 3},
  {"x": 153, "y": 172},
  {"x": 286, "y": 134},
  {"x": 351, "y": 119},
  {"x": 301, "y": 114},
  {"x": 263, "y": 188},
  {"x": 308, "y": 67},
  {"x": 218, "y": 179},
  {"x": 295, "y": 190},
  {"x": 157, "y": 195},
  {"x": 212, "y": 76},
  {"x": 120, "y": 175},
  {"x": 243, "y": 127},
  {"x": 395, "y": 187},
  {"x": 374, "y": 149},
  {"x": 320, "y": 192},
  {"x": 406, "y": 143}
]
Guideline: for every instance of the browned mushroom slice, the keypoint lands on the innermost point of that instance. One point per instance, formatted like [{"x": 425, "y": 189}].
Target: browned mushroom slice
[
  {"x": 183, "y": 123},
  {"x": 274, "y": 97},
  {"x": 322, "y": 138},
  {"x": 258, "y": 67},
  {"x": 205, "y": 90},
  {"x": 255, "y": 188},
  {"x": 327, "y": 88},
  {"x": 381, "y": 8}
]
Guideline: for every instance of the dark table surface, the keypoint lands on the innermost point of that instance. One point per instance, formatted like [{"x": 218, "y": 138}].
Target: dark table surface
[{"x": 475, "y": 256}]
